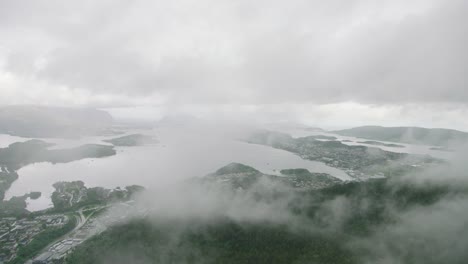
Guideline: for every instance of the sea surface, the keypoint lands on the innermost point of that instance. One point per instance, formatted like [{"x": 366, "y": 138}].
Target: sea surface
[{"x": 178, "y": 156}]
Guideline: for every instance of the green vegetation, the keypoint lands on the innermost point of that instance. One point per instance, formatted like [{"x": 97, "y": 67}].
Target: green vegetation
[
  {"x": 34, "y": 195},
  {"x": 20, "y": 154},
  {"x": 6, "y": 179},
  {"x": 240, "y": 176},
  {"x": 357, "y": 161},
  {"x": 413, "y": 135},
  {"x": 304, "y": 178},
  {"x": 323, "y": 137},
  {"x": 235, "y": 168},
  {"x": 235, "y": 175},
  {"x": 69, "y": 196},
  {"x": 15, "y": 207},
  {"x": 222, "y": 242},
  {"x": 132, "y": 140},
  {"x": 42, "y": 240},
  {"x": 317, "y": 239},
  {"x": 81, "y": 152}
]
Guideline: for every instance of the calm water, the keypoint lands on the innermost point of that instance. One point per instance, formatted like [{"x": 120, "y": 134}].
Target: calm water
[
  {"x": 6, "y": 140},
  {"x": 177, "y": 157}
]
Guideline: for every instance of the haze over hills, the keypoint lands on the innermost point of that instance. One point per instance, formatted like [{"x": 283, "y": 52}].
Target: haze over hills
[
  {"x": 359, "y": 162},
  {"x": 412, "y": 135},
  {"x": 48, "y": 122},
  {"x": 265, "y": 221},
  {"x": 240, "y": 176},
  {"x": 239, "y": 213},
  {"x": 216, "y": 132}
]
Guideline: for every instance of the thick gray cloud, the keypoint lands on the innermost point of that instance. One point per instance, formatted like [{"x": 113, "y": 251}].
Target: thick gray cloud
[{"x": 241, "y": 51}]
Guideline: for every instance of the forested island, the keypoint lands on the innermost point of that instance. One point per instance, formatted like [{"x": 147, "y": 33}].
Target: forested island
[
  {"x": 20, "y": 154},
  {"x": 412, "y": 135},
  {"x": 132, "y": 140},
  {"x": 359, "y": 162}
]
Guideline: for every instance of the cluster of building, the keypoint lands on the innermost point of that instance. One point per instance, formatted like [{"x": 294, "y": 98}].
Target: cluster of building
[
  {"x": 16, "y": 233},
  {"x": 57, "y": 252}
]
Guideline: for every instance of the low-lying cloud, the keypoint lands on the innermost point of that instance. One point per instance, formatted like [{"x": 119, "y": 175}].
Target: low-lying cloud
[{"x": 238, "y": 52}]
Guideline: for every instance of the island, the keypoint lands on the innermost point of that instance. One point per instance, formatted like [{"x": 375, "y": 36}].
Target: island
[
  {"x": 359, "y": 162},
  {"x": 242, "y": 177},
  {"x": 132, "y": 140},
  {"x": 411, "y": 135},
  {"x": 20, "y": 154}
]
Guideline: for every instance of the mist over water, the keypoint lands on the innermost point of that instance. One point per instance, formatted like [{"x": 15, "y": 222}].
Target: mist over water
[
  {"x": 432, "y": 231},
  {"x": 205, "y": 77},
  {"x": 180, "y": 154},
  {"x": 190, "y": 151}
]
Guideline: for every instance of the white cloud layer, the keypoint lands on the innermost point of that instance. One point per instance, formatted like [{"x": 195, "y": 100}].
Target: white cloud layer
[{"x": 397, "y": 55}]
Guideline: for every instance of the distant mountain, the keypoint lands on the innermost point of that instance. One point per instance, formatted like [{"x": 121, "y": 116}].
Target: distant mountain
[
  {"x": 44, "y": 122},
  {"x": 413, "y": 135}
]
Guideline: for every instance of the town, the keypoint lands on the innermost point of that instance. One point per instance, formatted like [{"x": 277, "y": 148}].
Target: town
[{"x": 16, "y": 234}]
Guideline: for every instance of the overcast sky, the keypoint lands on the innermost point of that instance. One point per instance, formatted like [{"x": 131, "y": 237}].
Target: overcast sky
[{"x": 332, "y": 63}]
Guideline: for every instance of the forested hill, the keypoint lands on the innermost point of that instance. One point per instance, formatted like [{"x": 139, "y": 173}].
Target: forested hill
[{"x": 340, "y": 224}]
